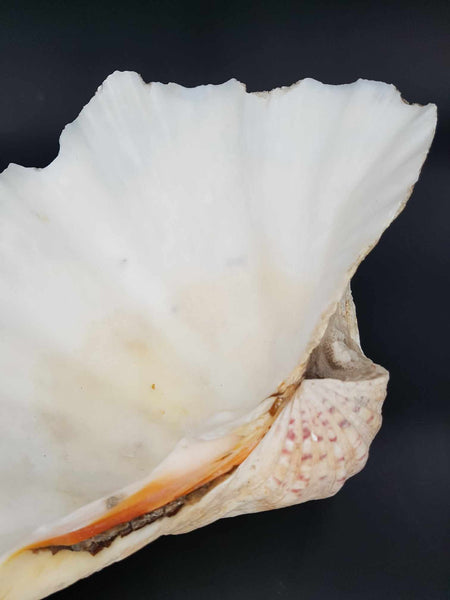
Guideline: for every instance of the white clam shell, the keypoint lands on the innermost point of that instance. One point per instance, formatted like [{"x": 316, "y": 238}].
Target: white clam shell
[{"x": 204, "y": 240}]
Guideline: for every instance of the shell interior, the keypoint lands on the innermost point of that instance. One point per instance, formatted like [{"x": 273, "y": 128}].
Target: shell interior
[{"x": 163, "y": 285}]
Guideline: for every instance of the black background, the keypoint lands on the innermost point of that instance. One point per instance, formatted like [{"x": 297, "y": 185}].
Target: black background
[{"x": 386, "y": 534}]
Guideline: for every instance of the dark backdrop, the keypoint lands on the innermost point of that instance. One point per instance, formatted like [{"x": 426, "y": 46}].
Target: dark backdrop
[{"x": 386, "y": 534}]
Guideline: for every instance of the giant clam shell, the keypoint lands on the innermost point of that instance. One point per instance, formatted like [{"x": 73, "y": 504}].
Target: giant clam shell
[{"x": 179, "y": 341}]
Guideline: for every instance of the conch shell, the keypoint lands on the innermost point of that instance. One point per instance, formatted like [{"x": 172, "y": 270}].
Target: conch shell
[{"x": 179, "y": 341}]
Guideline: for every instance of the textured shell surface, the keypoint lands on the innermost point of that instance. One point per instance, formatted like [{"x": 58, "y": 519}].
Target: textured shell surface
[{"x": 178, "y": 338}]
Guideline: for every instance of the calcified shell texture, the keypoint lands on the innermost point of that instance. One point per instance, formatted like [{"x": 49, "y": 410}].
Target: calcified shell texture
[{"x": 178, "y": 340}]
